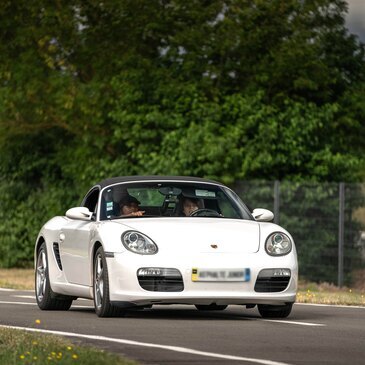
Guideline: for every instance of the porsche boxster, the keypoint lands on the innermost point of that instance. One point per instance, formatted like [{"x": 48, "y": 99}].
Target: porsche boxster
[{"x": 138, "y": 241}]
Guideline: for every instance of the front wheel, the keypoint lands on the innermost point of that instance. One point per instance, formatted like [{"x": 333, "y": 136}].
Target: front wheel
[
  {"x": 46, "y": 298},
  {"x": 275, "y": 311},
  {"x": 103, "y": 306}
]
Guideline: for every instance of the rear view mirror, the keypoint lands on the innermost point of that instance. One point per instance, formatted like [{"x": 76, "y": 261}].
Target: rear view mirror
[
  {"x": 263, "y": 215},
  {"x": 80, "y": 213},
  {"x": 169, "y": 191}
]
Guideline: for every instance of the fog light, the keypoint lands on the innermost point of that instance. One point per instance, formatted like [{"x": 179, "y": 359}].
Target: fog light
[
  {"x": 149, "y": 272},
  {"x": 158, "y": 271},
  {"x": 268, "y": 273},
  {"x": 281, "y": 272}
]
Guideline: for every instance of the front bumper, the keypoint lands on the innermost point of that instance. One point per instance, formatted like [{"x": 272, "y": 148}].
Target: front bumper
[{"x": 125, "y": 290}]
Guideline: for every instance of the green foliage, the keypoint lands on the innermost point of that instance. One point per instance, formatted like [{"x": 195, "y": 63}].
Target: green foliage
[{"x": 229, "y": 90}]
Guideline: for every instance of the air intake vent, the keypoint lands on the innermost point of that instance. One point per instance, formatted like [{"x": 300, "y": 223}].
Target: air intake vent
[
  {"x": 271, "y": 284},
  {"x": 56, "y": 251},
  {"x": 160, "y": 279}
]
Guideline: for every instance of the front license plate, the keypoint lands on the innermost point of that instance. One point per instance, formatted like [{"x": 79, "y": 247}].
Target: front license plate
[{"x": 220, "y": 274}]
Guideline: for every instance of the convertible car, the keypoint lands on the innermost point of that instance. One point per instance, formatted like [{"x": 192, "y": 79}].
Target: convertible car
[{"x": 142, "y": 240}]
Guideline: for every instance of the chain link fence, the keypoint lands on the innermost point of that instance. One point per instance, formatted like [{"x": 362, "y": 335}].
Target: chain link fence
[{"x": 326, "y": 220}]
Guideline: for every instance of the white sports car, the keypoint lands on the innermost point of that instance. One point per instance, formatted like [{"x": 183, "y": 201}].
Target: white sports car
[{"x": 137, "y": 241}]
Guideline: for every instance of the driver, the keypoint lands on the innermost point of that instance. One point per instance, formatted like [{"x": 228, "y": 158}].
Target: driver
[
  {"x": 129, "y": 207},
  {"x": 190, "y": 205}
]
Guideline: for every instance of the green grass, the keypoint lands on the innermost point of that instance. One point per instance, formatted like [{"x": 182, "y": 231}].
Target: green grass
[
  {"x": 325, "y": 293},
  {"x": 21, "y": 347}
]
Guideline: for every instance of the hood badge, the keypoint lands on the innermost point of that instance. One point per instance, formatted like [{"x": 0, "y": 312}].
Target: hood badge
[{"x": 214, "y": 246}]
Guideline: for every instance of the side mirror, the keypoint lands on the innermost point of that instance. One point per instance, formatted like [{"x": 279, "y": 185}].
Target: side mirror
[
  {"x": 80, "y": 213},
  {"x": 263, "y": 215}
]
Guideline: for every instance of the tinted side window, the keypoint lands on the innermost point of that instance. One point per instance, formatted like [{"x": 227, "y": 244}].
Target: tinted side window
[{"x": 91, "y": 200}]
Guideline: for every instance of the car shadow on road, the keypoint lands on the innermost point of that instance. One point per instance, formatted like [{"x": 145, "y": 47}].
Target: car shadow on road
[{"x": 168, "y": 313}]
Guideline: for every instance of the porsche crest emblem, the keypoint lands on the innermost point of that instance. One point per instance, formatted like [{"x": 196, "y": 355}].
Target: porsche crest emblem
[{"x": 214, "y": 246}]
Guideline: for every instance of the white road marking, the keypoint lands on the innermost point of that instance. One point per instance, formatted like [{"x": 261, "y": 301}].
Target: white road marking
[
  {"x": 7, "y": 289},
  {"x": 333, "y": 305},
  {"x": 22, "y": 303},
  {"x": 292, "y": 322},
  {"x": 24, "y": 296},
  {"x": 286, "y": 322},
  {"x": 153, "y": 345}
]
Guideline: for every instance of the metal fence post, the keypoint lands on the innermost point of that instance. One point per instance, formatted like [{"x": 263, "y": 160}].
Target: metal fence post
[
  {"x": 341, "y": 224},
  {"x": 277, "y": 202}
]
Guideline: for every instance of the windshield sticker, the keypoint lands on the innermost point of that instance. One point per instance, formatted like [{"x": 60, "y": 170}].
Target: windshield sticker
[
  {"x": 205, "y": 193},
  {"x": 109, "y": 206}
]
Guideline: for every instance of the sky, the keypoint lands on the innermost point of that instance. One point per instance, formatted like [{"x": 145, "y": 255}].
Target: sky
[{"x": 356, "y": 18}]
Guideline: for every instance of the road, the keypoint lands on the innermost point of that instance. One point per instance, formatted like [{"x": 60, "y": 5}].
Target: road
[{"x": 182, "y": 335}]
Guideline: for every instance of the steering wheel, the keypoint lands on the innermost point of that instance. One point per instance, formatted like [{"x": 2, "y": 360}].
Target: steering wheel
[{"x": 204, "y": 213}]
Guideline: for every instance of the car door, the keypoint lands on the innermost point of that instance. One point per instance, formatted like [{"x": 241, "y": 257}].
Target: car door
[{"x": 75, "y": 244}]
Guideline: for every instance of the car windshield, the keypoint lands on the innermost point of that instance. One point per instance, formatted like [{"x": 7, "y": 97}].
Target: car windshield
[{"x": 170, "y": 199}]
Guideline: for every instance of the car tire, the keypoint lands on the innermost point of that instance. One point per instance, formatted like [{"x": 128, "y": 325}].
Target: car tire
[
  {"x": 210, "y": 307},
  {"x": 46, "y": 298},
  {"x": 103, "y": 306},
  {"x": 275, "y": 311}
]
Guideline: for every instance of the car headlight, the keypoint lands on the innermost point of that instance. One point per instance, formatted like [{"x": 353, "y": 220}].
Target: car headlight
[
  {"x": 278, "y": 244},
  {"x": 139, "y": 243}
]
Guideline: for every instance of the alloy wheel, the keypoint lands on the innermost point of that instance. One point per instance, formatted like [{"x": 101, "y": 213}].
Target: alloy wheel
[
  {"x": 99, "y": 281},
  {"x": 41, "y": 279}
]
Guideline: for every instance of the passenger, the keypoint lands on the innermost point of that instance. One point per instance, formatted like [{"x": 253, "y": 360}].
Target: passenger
[
  {"x": 190, "y": 205},
  {"x": 129, "y": 207}
]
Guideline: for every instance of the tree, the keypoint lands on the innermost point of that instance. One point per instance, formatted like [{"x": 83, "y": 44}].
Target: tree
[{"x": 224, "y": 89}]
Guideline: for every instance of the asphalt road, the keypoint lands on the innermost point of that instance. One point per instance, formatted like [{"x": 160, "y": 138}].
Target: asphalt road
[{"x": 182, "y": 335}]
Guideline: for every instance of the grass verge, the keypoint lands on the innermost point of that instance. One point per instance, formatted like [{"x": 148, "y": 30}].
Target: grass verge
[
  {"x": 21, "y": 347},
  {"x": 325, "y": 293},
  {"x": 17, "y": 279}
]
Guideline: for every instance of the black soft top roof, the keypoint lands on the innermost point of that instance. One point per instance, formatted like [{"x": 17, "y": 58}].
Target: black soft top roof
[{"x": 123, "y": 179}]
